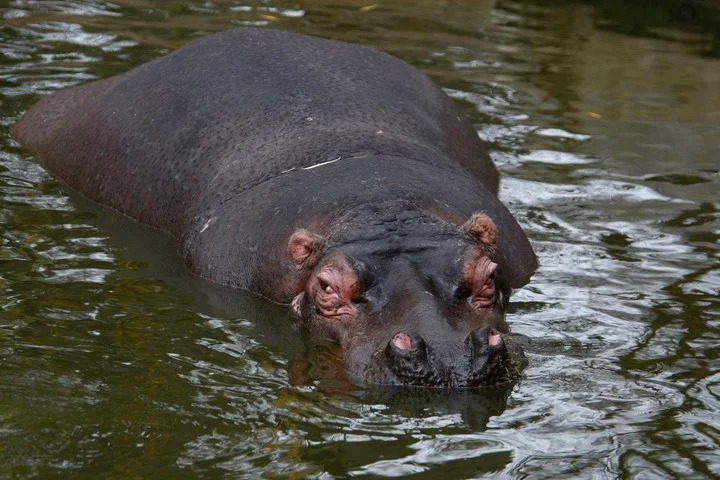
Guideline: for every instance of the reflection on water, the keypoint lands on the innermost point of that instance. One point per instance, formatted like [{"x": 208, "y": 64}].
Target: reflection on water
[{"x": 604, "y": 118}]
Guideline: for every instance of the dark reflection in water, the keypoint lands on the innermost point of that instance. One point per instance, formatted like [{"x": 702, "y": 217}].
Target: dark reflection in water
[
  {"x": 650, "y": 19},
  {"x": 604, "y": 117}
]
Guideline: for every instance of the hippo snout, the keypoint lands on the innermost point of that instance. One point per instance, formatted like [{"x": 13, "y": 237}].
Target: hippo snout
[{"x": 481, "y": 359}]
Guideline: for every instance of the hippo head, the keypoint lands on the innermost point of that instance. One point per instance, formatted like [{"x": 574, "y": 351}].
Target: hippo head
[{"x": 422, "y": 306}]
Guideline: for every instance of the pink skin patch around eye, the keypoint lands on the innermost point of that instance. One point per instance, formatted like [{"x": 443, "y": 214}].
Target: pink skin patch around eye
[
  {"x": 483, "y": 285},
  {"x": 333, "y": 289}
]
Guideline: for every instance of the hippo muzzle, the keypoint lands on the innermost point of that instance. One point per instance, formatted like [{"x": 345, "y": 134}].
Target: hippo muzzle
[{"x": 483, "y": 359}]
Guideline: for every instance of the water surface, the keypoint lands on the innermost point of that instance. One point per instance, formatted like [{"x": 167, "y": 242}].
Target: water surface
[{"x": 604, "y": 118}]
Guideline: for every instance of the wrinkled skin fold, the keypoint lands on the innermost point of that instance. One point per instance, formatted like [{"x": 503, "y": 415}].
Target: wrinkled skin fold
[{"x": 328, "y": 176}]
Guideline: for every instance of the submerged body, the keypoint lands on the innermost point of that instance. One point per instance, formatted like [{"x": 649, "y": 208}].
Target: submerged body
[{"x": 324, "y": 175}]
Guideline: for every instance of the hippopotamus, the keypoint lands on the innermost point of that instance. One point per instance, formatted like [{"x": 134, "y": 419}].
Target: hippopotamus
[{"x": 327, "y": 176}]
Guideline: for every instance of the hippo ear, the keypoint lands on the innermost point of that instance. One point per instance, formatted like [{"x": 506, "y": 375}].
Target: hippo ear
[
  {"x": 514, "y": 246},
  {"x": 482, "y": 228},
  {"x": 303, "y": 248},
  {"x": 503, "y": 233}
]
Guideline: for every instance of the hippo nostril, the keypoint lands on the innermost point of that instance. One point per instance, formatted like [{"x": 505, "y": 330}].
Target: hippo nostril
[
  {"x": 406, "y": 345},
  {"x": 481, "y": 339},
  {"x": 407, "y": 356},
  {"x": 402, "y": 341},
  {"x": 493, "y": 337}
]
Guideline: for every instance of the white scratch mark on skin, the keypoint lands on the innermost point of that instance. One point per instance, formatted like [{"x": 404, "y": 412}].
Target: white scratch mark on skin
[
  {"x": 379, "y": 132},
  {"x": 321, "y": 164},
  {"x": 207, "y": 224},
  {"x": 295, "y": 304},
  {"x": 288, "y": 170}
]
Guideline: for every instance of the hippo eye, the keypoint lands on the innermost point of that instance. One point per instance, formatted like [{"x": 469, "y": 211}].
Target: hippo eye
[{"x": 324, "y": 286}]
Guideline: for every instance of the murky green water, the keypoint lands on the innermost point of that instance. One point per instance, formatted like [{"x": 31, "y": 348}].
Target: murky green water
[{"x": 605, "y": 120}]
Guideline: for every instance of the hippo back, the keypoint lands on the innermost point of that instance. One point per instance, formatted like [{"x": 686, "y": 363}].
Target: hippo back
[{"x": 231, "y": 111}]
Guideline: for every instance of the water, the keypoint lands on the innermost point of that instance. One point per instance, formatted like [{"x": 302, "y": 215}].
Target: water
[{"x": 604, "y": 118}]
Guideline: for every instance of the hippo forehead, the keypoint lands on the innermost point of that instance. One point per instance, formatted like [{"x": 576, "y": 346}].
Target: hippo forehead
[{"x": 426, "y": 297}]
